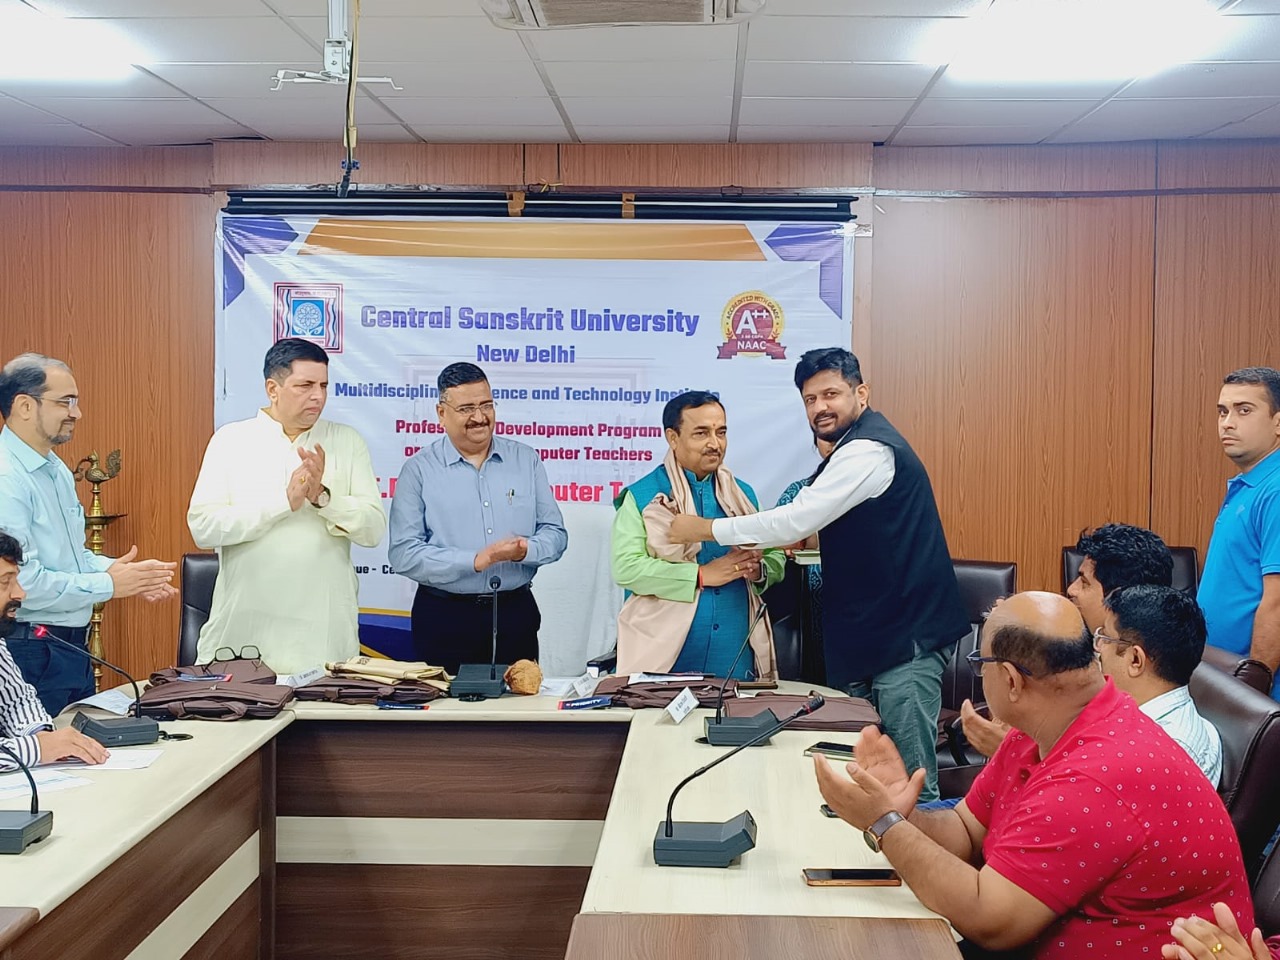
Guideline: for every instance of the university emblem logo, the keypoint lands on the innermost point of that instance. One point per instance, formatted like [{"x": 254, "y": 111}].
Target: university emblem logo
[
  {"x": 310, "y": 311},
  {"x": 752, "y": 326}
]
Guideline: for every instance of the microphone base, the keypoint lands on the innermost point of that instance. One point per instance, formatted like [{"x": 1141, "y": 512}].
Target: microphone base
[
  {"x": 693, "y": 844},
  {"x": 473, "y": 681},
  {"x": 118, "y": 732},
  {"x": 21, "y": 828},
  {"x": 735, "y": 731}
]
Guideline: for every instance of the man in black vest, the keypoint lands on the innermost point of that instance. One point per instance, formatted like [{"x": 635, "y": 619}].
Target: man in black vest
[{"x": 891, "y": 607}]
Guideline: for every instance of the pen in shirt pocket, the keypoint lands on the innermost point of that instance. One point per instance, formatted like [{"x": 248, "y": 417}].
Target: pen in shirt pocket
[{"x": 510, "y": 495}]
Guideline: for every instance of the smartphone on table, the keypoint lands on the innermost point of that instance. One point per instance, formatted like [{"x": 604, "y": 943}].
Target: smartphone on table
[
  {"x": 833, "y": 751},
  {"x": 851, "y": 877}
]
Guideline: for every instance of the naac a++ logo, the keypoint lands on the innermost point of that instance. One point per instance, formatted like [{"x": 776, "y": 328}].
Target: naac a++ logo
[
  {"x": 310, "y": 311},
  {"x": 752, "y": 324}
]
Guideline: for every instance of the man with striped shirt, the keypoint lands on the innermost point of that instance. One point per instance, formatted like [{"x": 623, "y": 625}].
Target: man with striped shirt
[{"x": 25, "y": 727}]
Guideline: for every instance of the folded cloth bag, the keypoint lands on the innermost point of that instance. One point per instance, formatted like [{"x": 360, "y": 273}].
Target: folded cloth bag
[
  {"x": 651, "y": 631},
  {"x": 390, "y": 671},
  {"x": 239, "y": 670},
  {"x": 214, "y": 700},
  {"x": 366, "y": 690},
  {"x": 841, "y": 714},
  {"x": 641, "y": 695}
]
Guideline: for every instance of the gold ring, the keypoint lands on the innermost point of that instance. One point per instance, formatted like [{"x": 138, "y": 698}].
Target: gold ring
[
  {"x": 735, "y": 568},
  {"x": 1216, "y": 948}
]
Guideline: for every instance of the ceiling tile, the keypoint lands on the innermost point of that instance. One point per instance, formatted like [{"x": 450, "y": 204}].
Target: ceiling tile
[
  {"x": 141, "y": 133},
  {"x": 645, "y": 112},
  {"x": 863, "y": 39},
  {"x": 689, "y": 42},
  {"x": 489, "y": 111},
  {"x": 813, "y": 134},
  {"x": 874, "y": 8},
  {"x": 1265, "y": 124},
  {"x": 475, "y": 133},
  {"x": 1255, "y": 6},
  {"x": 768, "y": 111},
  {"x": 220, "y": 40},
  {"x": 780, "y": 78},
  {"x": 469, "y": 40},
  {"x": 151, "y": 8},
  {"x": 681, "y": 78},
  {"x": 702, "y": 133},
  {"x": 1160, "y": 119},
  {"x": 1252, "y": 38},
  {"x": 326, "y": 133},
  {"x": 13, "y": 113},
  {"x": 331, "y": 110},
  {"x": 388, "y": 8},
  {"x": 235, "y": 79},
  {"x": 960, "y": 113},
  {"x": 1209, "y": 80},
  {"x": 138, "y": 83},
  {"x": 949, "y": 87},
  {"x": 499, "y": 78},
  {"x": 154, "y": 111},
  {"x": 939, "y": 136},
  {"x": 51, "y": 135}
]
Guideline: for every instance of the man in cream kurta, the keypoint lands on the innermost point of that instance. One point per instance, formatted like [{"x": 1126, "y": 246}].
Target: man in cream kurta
[{"x": 282, "y": 497}]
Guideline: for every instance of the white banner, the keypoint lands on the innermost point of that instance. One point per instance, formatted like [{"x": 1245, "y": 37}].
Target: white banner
[{"x": 585, "y": 330}]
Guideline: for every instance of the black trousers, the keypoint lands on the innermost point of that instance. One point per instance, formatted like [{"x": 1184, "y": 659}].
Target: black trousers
[
  {"x": 59, "y": 675},
  {"x": 458, "y": 628}
]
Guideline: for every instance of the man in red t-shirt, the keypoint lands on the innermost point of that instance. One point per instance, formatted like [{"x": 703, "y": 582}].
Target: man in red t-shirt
[{"x": 1086, "y": 835}]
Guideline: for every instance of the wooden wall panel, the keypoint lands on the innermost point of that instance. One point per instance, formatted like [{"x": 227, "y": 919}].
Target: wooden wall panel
[
  {"x": 120, "y": 286},
  {"x": 106, "y": 166},
  {"x": 1201, "y": 164},
  {"x": 1049, "y": 169},
  {"x": 716, "y": 164},
  {"x": 1217, "y": 309},
  {"x": 1012, "y": 344},
  {"x": 242, "y": 163}
]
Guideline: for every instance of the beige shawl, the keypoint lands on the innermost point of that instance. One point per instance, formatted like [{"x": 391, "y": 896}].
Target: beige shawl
[{"x": 651, "y": 631}]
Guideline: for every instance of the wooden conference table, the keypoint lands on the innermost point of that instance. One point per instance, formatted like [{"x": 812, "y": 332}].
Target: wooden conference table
[{"x": 504, "y": 829}]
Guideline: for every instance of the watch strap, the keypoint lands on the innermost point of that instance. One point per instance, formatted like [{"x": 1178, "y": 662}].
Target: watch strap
[{"x": 881, "y": 826}]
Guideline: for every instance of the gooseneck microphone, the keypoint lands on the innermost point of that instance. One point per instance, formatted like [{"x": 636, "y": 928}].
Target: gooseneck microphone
[
  {"x": 481, "y": 681},
  {"x": 722, "y": 731},
  {"x": 697, "y": 844},
  {"x": 494, "y": 583},
  {"x": 19, "y": 829},
  {"x": 116, "y": 732}
]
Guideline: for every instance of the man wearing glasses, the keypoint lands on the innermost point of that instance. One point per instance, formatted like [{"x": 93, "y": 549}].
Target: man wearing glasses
[
  {"x": 282, "y": 497},
  {"x": 40, "y": 404},
  {"x": 1149, "y": 644},
  {"x": 469, "y": 509},
  {"x": 1072, "y": 842}
]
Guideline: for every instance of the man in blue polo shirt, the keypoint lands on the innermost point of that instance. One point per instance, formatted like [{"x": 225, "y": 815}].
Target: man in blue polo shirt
[{"x": 1240, "y": 589}]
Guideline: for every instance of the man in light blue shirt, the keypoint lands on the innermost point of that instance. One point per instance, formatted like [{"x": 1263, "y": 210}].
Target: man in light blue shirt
[
  {"x": 1240, "y": 589},
  {"x": 40, "y": 404},
  {"x": 469, "y": 510},
  {"x": 1150, "y": 641}
]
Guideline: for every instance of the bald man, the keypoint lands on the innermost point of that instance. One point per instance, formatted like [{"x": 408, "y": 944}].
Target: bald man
[{"x": 1090, "y": 829}]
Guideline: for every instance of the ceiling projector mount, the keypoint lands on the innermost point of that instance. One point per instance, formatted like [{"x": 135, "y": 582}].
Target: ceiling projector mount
[{"x": 337, "y": 57}]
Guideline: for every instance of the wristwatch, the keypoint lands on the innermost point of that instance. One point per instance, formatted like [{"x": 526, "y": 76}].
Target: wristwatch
[
  {"x": 322, "y": 500},
  {"x": 875, "y": 833}
]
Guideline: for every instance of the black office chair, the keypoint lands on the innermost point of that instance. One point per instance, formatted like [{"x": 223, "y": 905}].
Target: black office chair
[
  {"x": 1186, "y": 568},
  {"x": 982, "y": 583},
  {"x": 199, "y": 573}
]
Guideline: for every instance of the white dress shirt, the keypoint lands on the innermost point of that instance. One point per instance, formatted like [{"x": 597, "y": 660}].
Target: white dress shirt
[
  {"x": 859, "y": 470},
  {"x": 21, "y": 714},
  {"x": 285, "y": 581},
  {"x": 1176, "y": 712}
]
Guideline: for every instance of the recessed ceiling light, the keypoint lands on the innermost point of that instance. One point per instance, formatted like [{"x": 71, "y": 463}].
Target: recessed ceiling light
[
  {"x": 1031, "y": 41},
  {"x": 41, "y": 47}
]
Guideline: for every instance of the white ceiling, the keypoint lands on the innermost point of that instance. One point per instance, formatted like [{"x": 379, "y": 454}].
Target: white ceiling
[{"x": 806, "y": 70}]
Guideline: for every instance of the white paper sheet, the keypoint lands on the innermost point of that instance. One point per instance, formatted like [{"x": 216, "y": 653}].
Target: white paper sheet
[
  {"x": 120, "y": 759},
  {"x": 47, "y": 780}
]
